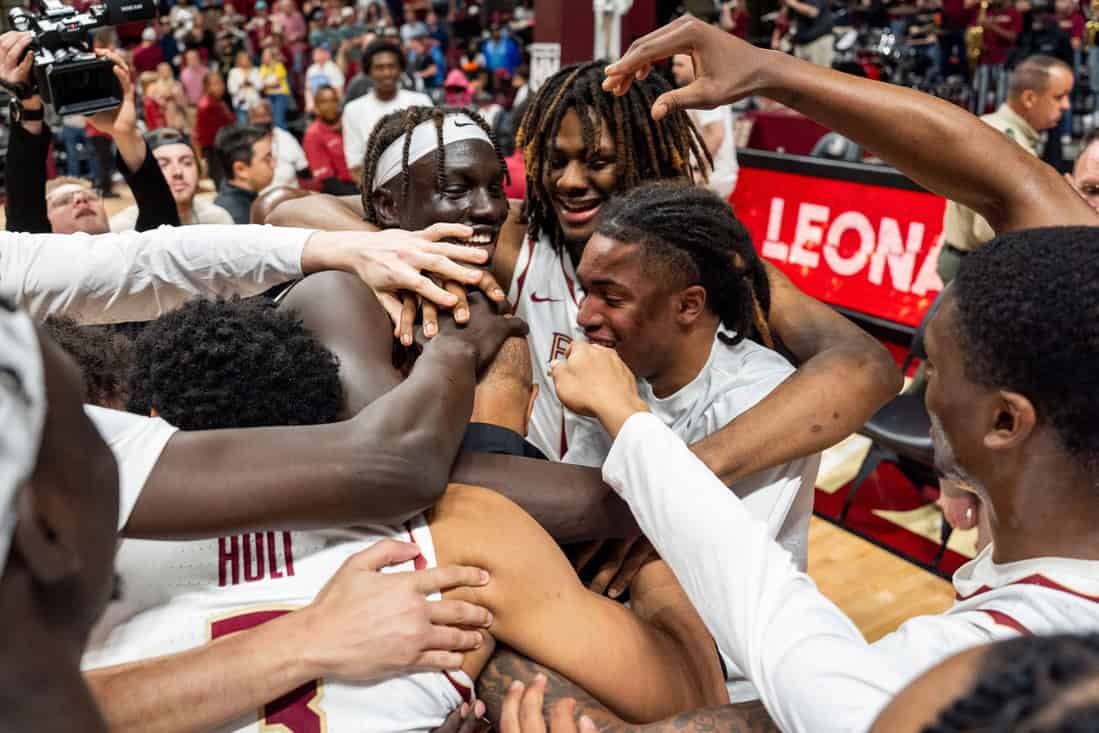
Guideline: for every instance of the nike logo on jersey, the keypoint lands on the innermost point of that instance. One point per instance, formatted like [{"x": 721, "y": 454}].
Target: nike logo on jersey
[
  {"x": 535, "y": 299},
  {"x": 464, "y": 124}
]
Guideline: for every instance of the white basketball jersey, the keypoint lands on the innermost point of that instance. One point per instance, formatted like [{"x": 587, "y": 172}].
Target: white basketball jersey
[
  {"x": 180, "y": 595},
  {"x": 546, "y": 294}
]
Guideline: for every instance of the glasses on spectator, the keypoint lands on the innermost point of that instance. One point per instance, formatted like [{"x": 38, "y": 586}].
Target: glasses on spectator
[{"x": 69, "y": 197}]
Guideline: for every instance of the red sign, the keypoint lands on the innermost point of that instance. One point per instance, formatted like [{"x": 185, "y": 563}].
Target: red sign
[{"x": 871, "y": 249}]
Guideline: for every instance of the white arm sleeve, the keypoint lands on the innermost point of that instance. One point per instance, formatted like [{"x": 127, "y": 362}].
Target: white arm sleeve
[
  {"x": 812, "y": 667},
  {"x": 137, "y": 276},
  {"x": 354, "y": 145}
]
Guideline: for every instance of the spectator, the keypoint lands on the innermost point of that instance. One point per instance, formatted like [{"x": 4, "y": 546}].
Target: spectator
[
  {"x": 182, "y": 16},
  {"x": 275, "y": 85},
  {"x": 149, "y": 54},
  {"x": 179, "y": 166},
  {"x": 412, "y": 26},
  {"x": 437, "y": 30},
  {"x": 323, "y": 145},
  {"x": 1003, "y": 24},
  {"x": 213, "y": 114},
  {"x": 231, "y": 40},
  {"x": 77, "y": 147},
  {"x": 456, "y": 89},
  {"x": 154, "y": 113},
  {"x": 244, "y": 153},
  {"x": 1071, "y": 21},
  {"x": 520, "y": 83},
  {"x": 200, "y": 37},
  {"x": 502, "y": 52},
  {"x": 323, "y": 72},
  {"x": 1044, "y": 36},
  {"x": 290, "y": 161},
  {"x": 169, "y": 45},
  {"x": 427, "y": 62},
  {"x": 244, "y": 85},
  {"x": 383, "y": 62},
  {"x": 813, "y": 39},
  {"x": 172, "y": 98},
  {"x": 259, "y": 27},
  {"x": 294, "y": 31},
  {"x": 192, "y": 75}
]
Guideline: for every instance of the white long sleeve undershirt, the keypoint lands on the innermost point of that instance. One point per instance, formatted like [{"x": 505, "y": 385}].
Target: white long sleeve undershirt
[
  {"x": 137, "y": 276},
  {"x": 812, "y": 667}
]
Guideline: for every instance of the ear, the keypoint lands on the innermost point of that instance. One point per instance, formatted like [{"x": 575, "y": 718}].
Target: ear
[
  {"x": 1013, "y": 422},
  {"x": 240, "y": 170},
  {"x": 385, "y": 204},
  {"x": 39, "y": 540},
  {"x": 1028, "y": 98},
  {"x": 530, "y": 409},
  {"x": 692, "y": 304}
]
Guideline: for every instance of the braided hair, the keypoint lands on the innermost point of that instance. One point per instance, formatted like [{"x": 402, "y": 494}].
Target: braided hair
[
  {"x": 403, "y": 122},
  {"x": 696, "y": 237},
  {"x": 645, "y": 150},
  {"x": 1031, "y": 684}
]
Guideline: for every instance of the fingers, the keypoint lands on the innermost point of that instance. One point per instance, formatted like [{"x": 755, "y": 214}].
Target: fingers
[
  {"x": 587, "y": 725},
  {"x": 509, "y": 711},
  {"x": 611, "y": 567},
  {"x": 530, "y": 709},
  {"x": 587, "y": 553},
  {"x": 435, "y": 232},
  {"x": 430, "y": 318},
  {"x": 459, "y": 613},
  {"x": 392, "y": 308},
  {"x": 651, "y": 48},
  {"x": 407, "y": 319},
  {"x": 461, "y": 310},
  {"x": 386, "y": 552},
  {"x": 490, "y": 287},
  {"x": 450, "y": 639},
  {"x": 436, "y": 660},
  {"x": 691, "y": 96},
  {"x": 444, "y": 267},
  {"x": 443, "y": 578},
  {"x": 562, "y": 715},
  {"x": 642, "y": 553},
  {"x": 457, "y": 252}
]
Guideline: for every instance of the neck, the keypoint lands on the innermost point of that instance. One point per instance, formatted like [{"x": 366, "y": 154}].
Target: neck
[
  {"x": 240, "y": 183},
  {"x": 688, "y": 358},
  {"x": 185, "y": 210},
  {"x": 1048, "y": 508},
  {"x": 1016, "y": 106},
  {"x": 385, "y": 97},
  {"x": 41, "y": 688}
]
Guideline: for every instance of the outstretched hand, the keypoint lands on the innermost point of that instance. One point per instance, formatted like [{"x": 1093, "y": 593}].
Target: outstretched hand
[
  {"x": 724, "y": 66},
  {"x": 122, "y": 120},
  {"x": 16, "y": 62},
  {"x": 485, "y": 331}
]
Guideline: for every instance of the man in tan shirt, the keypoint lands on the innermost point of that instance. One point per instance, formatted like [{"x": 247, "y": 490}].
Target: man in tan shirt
[{"x": 1038, "y": 94}]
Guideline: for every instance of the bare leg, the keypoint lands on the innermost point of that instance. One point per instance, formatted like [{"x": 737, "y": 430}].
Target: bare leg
[{"x": 644, "y": 670}]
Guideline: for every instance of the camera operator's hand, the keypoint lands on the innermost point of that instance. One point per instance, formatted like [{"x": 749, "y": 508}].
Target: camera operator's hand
[
  {"x": 121, "y": 122},
  {"x": 15, "y": 68}
]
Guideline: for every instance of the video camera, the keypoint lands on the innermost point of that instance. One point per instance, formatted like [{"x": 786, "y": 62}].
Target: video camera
[{"x": 68, "y": 74}]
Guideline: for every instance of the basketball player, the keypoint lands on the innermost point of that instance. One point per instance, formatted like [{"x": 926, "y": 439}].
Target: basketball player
[
  {"x": 583, "y": 146},
  {"x": 196, "y": 591},
  {"x": 58, "y": 508},
  {"x": 1019, "y": 429}
]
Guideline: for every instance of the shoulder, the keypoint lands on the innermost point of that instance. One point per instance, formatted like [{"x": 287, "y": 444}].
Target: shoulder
[
  {"x": 743, "y": 374},
  {"x": 211, "y": 213}
]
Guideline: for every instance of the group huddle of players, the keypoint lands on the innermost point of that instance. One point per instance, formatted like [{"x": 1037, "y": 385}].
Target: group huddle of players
[{"x": 636, "y": 393}]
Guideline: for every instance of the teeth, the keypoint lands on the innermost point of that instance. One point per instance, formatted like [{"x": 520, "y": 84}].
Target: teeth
[{"x": 480, "y": 239}]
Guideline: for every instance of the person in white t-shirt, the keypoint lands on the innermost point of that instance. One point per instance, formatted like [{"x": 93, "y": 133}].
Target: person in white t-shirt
[
  {"x": 1019, "y": 429},
  {"x": 716, "y": 126},
  {"x": 384, "y": 62},
  {"x": 290, "y": 160}
]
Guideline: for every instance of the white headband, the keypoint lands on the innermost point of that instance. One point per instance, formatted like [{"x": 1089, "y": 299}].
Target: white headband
[
  {"x": 425, "y": 140},
  {"x": 22, "y": 413}
]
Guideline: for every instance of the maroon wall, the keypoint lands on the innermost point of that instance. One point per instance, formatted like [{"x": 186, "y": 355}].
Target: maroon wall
[{"x": 571, "y": 23}]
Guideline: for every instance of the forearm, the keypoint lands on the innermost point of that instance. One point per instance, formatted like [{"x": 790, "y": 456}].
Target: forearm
[
  {"x": 322, "y": 211},
  {"x": 935, "y": 143},
  {"x": 25, "y": 203},
  {"x": 131, "y": 151},
  {"x": 137, "y": 276},
  {"x": 155, "y": 204},
  {"x": 571, "y": 502},
  {"x": 202, "y": 688}
]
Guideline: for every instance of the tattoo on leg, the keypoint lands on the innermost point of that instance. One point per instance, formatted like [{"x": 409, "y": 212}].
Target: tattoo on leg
[{"x": 506, "y": 666}]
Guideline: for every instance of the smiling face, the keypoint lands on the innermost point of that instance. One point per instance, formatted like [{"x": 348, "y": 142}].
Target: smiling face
[
  {"x": 472, "y": 193},
  {"x": 579, "y": 180},
  {"x": 624, "y": 307},
  {"x": 385, "y": 72},
  {"x": 73, "y": 208},
  {"x": 177, "y": 163}
]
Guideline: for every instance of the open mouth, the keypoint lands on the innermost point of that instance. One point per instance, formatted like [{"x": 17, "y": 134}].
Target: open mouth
[
  {"x": 601, "y": 342},
  {"x": 578, "y": 212}
]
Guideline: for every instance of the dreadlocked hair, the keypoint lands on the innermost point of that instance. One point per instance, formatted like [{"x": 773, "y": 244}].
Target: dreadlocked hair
[
  {"x": 645, "y": 150},
  {"x": 695, "y": 237},
  {"x": 1031, "y": 684},
  {"x": 403, "y": 122}
]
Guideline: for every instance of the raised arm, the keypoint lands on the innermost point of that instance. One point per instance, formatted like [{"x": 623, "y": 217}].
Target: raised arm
[
  {"x": 844, "y": 378},
  {"x": 935, "y": 143},
  {"x": 322, "y": 211}
]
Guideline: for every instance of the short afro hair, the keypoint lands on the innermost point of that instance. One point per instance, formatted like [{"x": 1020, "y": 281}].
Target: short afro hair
[
  {"x": 382, "y": 46},
  {"x": 234, "y": 364},
  {"x": 103, "y": 357},
  {"x": 1027, "y": 319}
]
